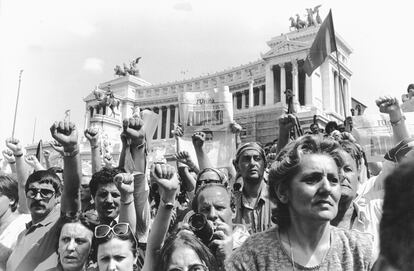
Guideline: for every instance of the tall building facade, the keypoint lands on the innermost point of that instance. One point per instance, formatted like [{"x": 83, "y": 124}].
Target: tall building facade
[{"x": 258, "y": 90}]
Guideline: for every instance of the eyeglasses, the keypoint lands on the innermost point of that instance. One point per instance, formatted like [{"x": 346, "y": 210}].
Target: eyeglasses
[
  {"x": 193, "y": 267},
  {"x": 122, "y": 230},
  {"x": 44, "y": 193}
]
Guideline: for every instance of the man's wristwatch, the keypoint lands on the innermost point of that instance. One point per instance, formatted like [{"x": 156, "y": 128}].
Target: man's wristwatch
[{"x": 167, "y": 205}]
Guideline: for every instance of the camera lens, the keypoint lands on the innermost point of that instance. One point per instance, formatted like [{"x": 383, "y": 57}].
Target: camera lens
[
  {"x": 201, "y": 227},
  {"x": 197, "y": 221}
]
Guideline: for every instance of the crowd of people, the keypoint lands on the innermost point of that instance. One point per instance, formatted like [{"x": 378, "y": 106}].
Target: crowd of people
[{"x": 308, "y": 202}]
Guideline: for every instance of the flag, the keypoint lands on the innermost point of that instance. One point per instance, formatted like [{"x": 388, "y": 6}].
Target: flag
[
  {"x": 323, "y": 45},
  {"x": 39, "y": 151}
]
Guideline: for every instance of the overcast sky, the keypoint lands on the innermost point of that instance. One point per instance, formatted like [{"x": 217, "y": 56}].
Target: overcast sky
[{"x": 68, "y": 47}]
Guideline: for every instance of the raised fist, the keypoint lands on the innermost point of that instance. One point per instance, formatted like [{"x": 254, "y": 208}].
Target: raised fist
[
  {"x": 125, "y": 183},
  {"x": 32, "y": 161},
  {"x": 107, "y": 158},
  {"x": 198, "y": 139},
  {"x": 14, "y": 145},
  {"x": 164, "y": 175},
  {"x": 183, "y": 157},
  {"x": 235, "y": 127},
  {"x": 66, "y": 134},
  {"x": 57, "y": 147},
  {"x": 287, "y": 122},
  {"x": 132, "y": 128},
  {"x": 92, "y": 134},
  {"x": 178, "y": 131},
  {"x": 46, "y": 154},
  {"x": 8, "y": 156},
  {"x": 387, "y": 104}
]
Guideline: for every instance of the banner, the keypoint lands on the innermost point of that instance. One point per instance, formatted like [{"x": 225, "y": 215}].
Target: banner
[
  {"x": 374, "y": 133},
  {"x": 210, "y": 112}
]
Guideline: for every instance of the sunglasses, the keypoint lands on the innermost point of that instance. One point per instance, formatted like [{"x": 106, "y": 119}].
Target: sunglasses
[
  {"x": 122, "y": 230},
  {"x": 193, "y": 267},
  {"x": 44, "y": 193}
]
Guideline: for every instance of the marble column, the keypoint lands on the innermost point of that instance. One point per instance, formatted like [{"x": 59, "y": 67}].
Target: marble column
[
  {"x": 159, "y": 129},
  {"x": 295, "y": 85},
  {"x": 282, "y": 83},
  {"x": 337, "y": 93},
  {"x": 251, "y": 96},
  {"x": 270, "y": 85},
  {"x": 167, "y": 124},
  {"x": 176, "y": 120},
  {"x": 243, "y": 100},
  {"x": 234, "y": 101},
  {"x": 308, "y": 90},
  {"x": 260, "y": 89}
]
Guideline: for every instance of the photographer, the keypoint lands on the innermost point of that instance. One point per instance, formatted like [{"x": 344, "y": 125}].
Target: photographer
[{"x": 213, "y": 202}]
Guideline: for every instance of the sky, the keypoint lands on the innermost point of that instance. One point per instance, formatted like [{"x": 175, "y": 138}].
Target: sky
[{"x": 66, "y": 48}]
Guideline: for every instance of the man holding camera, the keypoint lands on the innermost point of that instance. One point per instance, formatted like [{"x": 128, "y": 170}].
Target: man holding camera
[{"x": 213, "y": 202}]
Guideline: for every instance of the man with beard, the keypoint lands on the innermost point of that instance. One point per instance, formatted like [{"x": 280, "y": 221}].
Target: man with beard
[
  {"x": 253, "y": 206},
  {"x": 35, "y": 248}
]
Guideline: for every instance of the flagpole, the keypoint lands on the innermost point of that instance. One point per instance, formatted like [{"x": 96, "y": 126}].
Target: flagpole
[
  {"x": 340, "y": 84},
  {"x": 17, "y": 103},
  {"x": 34, "y": 130}
]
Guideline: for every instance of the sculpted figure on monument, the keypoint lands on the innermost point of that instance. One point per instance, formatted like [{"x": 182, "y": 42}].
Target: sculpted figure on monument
[
  {"x": 310, "y": 18},
  {"x": 299, "y": 22},
  {"x": 318, "y": 17},
  {"x": 106, "y": 98},
  {"x": 132, "y": 69}
]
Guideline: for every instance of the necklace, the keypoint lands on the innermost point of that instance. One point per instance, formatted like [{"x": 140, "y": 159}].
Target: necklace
[{"x": 292, "y": 258}]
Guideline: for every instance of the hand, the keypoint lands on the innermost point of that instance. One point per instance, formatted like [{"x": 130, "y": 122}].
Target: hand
[
  {"x": 235, "y": 127},
  {"x": 166, "y": 178},
  {"x": 32, "y": 161},
  {"x": 57, "y": 147},
  {"x": 132, "y": 128},
  {"x": 125, "y": 183},
  {"x": 198, "y": 139},
  {"x": 107, "y": 158},
  {"x": 8, "y": 156},
  {"x": 387, "y": 104},
  {"x": 178, "y": 131},
  {"x": 66, "y": 134},
  {"x": 14, "y": 145},
  {"x": 287, "y": 122},
  {"x": 46, "y": 154},
  {"x": 184, "y": 157},
  {"x": 222, "y": 243},
  {"x": 92, "y": 134}
]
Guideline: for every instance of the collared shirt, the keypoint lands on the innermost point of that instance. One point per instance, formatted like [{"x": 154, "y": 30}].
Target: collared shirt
[
  {"x": 36, "y": 246},
  {"x": 257, "y": 218}
]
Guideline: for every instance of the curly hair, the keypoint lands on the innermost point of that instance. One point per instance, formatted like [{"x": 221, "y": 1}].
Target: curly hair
[
  {"x": 103, "y": 177},
  {"x": 188, "y": 240},
  {"x": 287, "y": 164}
]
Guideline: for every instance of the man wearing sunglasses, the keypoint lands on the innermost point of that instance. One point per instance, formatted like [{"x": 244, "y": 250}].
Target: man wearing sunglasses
[{"x": 36, "y": 246}]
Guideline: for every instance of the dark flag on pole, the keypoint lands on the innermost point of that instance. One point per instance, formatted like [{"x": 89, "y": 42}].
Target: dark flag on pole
[
  {"x": 323, "y": 45},
  {"x": 39, "y": 151}
]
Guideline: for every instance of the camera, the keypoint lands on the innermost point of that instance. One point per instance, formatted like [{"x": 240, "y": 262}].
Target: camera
[{"x": 202, "y": 228}]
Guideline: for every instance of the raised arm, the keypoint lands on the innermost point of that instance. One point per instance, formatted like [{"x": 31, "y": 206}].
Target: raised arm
[
  {"x": 32, "y": 161},
  {"x": 9, "y": 158},
  {"x": 66, "y": 134},
  {"x": 184, "y": 163},
  {"x": 92, "y": 134},
  {"x": 164, "y": 175},
  {"x": 22, "y": 172},
  {"x": 285, "y": 125},
  {"x": 135, "y": 138},
  {"x": 198, "y": 143},
  {"x": 125, "y": 185},
  {"x": 46, "y": 155},
  {"x": 391, "y": 107}
]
